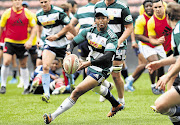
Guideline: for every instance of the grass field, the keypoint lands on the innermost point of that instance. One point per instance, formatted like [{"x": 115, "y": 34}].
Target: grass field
[{"x": 18, "y": 109}]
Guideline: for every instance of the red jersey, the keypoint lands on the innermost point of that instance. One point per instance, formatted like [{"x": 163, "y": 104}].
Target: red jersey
[
  {"x": 17, "y": 26},
  {"x": 163, "y": 29}
]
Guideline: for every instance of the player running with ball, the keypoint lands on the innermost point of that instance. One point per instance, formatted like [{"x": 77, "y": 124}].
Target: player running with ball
[{"x": 102, "y": 43}]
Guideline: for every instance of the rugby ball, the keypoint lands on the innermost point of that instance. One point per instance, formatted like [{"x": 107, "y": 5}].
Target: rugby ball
[{"x": 70, "y": 63}]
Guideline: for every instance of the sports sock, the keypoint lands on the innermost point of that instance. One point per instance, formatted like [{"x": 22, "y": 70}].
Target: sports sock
[
  {"x": 4, "y": 75},
  {"x": 14, "y": 74},
  {"x": 111, "y": 99},
  {"x": 121, "y": 100},
  {"x": 177, "y": 113},
  {"x": 25, "y": 77},
  {"x": 67, "y": 104},
  {"x": 45, "y": 83},
  {"x": 174, "y": 111},
  {"x": 124, "y": 72},
  {"x": 130, "y": 78},
  {"x": 104, "y": 91},
  {"x": 175, "y": 120}
]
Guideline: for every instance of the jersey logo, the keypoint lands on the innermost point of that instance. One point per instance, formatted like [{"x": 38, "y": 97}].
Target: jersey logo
[
  {"x": 18, "y": 23},
  {"x": 111, "y": 17},
  {"x": 128, "y": 18},
  {"x": 94, "y": 44},
  {"x": 48, "y": 23},
  {"x": 167, "y": 31}
]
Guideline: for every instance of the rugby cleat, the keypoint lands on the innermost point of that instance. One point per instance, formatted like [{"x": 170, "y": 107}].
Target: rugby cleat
[
  {"x": 154, "y": 109},
  {"x": 156, "y": 91},
  {"x": 128, "y": 88},
  {"x": 114, "y": 110},
  {"x": 59, "y": 90},
  {"x": 3, "y": 90},
  {"x": 45, "y": 98},
  {"x": 47, "y": 118}
]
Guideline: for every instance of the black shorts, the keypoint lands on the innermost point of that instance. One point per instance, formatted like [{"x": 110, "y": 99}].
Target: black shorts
[
  {"x": 83, "y": 49},
  {"x": 60, "y": 52},
  {"x": 18, "y": 49},
  {"x": 1, "y": 47},
  {"x": 33, "y": 50}
]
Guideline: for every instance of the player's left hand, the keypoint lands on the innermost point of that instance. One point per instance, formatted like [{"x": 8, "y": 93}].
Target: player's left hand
[
  {"x": 28, "y": 45},
  {"x": 52, "y": 37},
  {"x": 84, "y": 65},
  {"x": 163, "y": 80}
]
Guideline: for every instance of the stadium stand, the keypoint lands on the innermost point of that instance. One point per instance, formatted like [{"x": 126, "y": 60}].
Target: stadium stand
[{"x": 34, "y": 5}]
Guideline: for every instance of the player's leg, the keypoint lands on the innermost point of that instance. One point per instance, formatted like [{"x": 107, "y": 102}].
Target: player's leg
[
  {"x": 87, "y": 84},
  {"x": 168, "y": 104},
  {"x": 1, "y": 56},
  {"x": 24, "y": 74},
  {"x": 47, "y": 58},
  {"x": 124, "y": 71},
  {"x": 7, "y": 58},
  {"x": 34, "y": 55},
  {"x": 14, "y": 66},
  {"x": 116, "y": 75}
]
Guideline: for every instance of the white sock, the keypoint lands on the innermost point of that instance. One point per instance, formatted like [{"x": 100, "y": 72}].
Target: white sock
[
  {"x": 67, "y": 104},
  {"x": 4, "y": 75},
  {"x": 131, "y": 78},
  {"x": 153, "y": 85},
  {"x": 121, "y": 100},
  {"x": 25, "y": 76},
  {"x": 106, "y": 83}
]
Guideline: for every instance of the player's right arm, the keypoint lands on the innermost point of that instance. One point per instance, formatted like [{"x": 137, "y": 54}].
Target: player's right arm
[
  {"x": 152, "y": 34},
  {"x": 139, "y": 29}
]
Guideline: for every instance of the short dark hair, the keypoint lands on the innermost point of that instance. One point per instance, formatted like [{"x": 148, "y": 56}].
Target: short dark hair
[
  {"x": 65, "y": 7},
  {"x": 146, "y": 2},
  {"x": 155, "y": 1},
  {"x": 72, "y": 2}
]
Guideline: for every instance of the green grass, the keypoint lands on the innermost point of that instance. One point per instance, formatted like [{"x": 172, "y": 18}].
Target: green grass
[{"x": 18, "y": 109}]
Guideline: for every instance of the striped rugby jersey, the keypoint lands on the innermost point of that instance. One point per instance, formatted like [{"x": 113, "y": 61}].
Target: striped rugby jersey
[
  {"x": 52, "y": 22},
  {"x": 119, "y": 15},
  {"x": 98, "y": 43},
  {"x": 175, "y": 39},
  {"x": 85, "y": 16}
]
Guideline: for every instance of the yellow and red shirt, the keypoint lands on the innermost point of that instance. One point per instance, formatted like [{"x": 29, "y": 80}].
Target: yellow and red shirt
[
  {"x": 159, "y": 27},
  {"x": 141, "y": 27},
  {"x": 16, "y": 23}
]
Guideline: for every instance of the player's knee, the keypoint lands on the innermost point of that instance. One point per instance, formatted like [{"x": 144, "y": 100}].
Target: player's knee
[
  {"x": 77, "y": 92},
  {"x": 160, "y": 106}
]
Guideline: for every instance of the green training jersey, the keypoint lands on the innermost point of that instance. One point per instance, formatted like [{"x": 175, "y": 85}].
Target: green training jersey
[
  {"x": 53, "y": 21},
  {"x": 175, "y": 39},
  {"x": 85, "y": 16},
  {"x": 119, "y": 15},
  {"x": 98, "y": 43}
]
